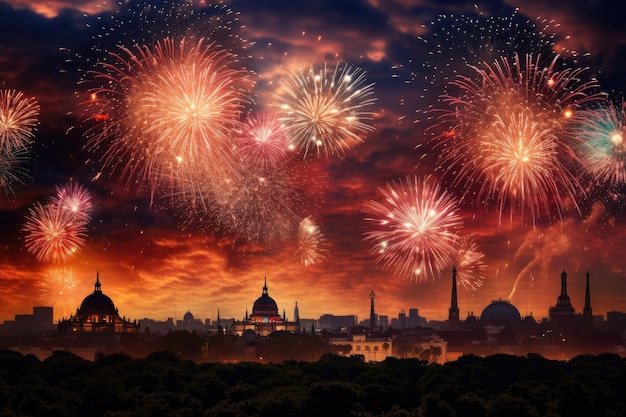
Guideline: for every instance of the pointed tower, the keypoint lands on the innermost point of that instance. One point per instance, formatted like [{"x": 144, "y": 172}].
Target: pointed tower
[
  {"x": 453, "y": 311},
  {"x": 372, "y": 312},
  {"x": 296, "y": 313},
  {"x": 562, "y": 315},
  {"x": 587, "y": 312}
]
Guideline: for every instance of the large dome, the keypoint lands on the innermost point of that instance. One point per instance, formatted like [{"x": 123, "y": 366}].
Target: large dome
[
  {"x": 188, "y": 317},
  {"x": 500, "y": 313},
  {"x": 265, "y": 306},
  {"x": 97, "y": 303}
]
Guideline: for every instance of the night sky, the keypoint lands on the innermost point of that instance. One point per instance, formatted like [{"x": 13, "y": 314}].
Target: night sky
[{"x": 160, "y": 260}]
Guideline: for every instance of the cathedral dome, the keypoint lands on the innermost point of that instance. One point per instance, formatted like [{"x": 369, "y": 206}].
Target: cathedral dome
[
  {"x": 500, "y": 313},
  {"x": 97, "y": 303},
  {"x": 265, "y": 306},
  {"x": 188, "y": 317}
]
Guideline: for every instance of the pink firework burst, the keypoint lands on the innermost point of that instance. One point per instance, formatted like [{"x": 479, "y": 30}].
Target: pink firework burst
[
  {"x": 414, "y": 228},
  {"x": 74, "y": 198},
  {"x": 53, "y": 234},
  {"x": 507, "y": 136},
  {"x": 263, "y": 141}
]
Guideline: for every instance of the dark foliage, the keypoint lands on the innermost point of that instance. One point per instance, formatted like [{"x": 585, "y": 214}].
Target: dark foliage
[{"x": 164, "y": 384}]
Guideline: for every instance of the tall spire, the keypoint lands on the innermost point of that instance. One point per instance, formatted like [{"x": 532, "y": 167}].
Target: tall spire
[
  {"x": 453, "y": 311},
  {"x": 296, "y": 313},
  {"x": 265, "y": 286},
  {"x": 97, "y": 286},
  {"x": 372, "y": 313},
  {"x": 587, "y": 311}
]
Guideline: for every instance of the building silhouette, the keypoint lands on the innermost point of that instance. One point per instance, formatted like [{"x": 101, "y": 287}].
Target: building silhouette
[
  {"x": 265, "y": 318},
  {"x": 96, "y": 315},
  {"x": 562, "y": 315}
]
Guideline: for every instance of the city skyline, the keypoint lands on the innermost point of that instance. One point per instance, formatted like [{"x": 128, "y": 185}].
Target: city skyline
[{"x": 166, "y": 259}]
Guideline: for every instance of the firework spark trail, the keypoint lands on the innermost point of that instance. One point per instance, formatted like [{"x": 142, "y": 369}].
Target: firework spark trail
[
  {"x": 260, "y": 206},
  {"x": 53, "y": 234},
  {"x": 263, "y": 141},
  {"x": 326, "y": 111},
  {"x": 18, "y": 119},
  {"x": 146, "y": 22},
  {"x": 602, "y": 148},
  {"x": 415, "y": 229},
  {"x": 311, "y": 243},
  {"x": 168, "y": 108},
  {"x": 469, "y": 264},
  {"x": 508, "y": 132}
]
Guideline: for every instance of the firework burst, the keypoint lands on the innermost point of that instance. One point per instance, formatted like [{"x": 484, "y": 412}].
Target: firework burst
[
  {"x": 168, "y": 108},
  {"x": 603, "y": 143},
  {"x": 11, "y": 170},
  {"x": 74, "y": 198},
  {"x": 18, "y": 119},
  {"x": 62, "y": 289},
  {"x": 326, "y": 111},
  {"x": 263, "y": 141},
  {"x": 508, "y": 133},
  {"x": 415, "y": 229},
  {"x": 311, "y": 243},
  {"x": 53, "y": 234}
]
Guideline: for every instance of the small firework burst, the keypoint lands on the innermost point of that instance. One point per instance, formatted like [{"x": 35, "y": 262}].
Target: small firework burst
[
  {"x": 74, "y": 198},
  {"x": 53, "y": 234},
  {"x": 63, "y": 290},
  {"x": 326, "y": 111},
  {"x": 415, "y": 228},
  {"x": 263, "y": 141},
  {"x": 603, "y": 143},
  {"x": 311, "y": 243}
]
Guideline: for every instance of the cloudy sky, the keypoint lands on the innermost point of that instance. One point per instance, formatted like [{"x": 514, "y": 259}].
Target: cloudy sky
[{"x": 155, "y": 262}]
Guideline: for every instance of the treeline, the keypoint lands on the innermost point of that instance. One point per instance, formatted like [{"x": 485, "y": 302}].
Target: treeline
[{"x": 161, "y": 384}]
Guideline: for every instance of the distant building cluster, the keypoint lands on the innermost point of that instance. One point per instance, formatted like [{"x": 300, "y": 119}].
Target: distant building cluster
[{"x": 500, "y": 328}]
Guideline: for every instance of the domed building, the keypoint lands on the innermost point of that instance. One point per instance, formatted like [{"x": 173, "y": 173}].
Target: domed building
[
  {"x": 500, "y": 313},
  {"x": 97, "y": 314},
  {"x": 265, "y": 318}
]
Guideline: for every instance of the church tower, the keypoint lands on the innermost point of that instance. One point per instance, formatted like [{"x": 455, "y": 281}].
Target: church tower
[
  {"x": 453, "y": 311},
  {"x": 587, "y": 312}
]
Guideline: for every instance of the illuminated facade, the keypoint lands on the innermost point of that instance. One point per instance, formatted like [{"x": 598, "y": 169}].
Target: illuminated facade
[
  {"x": 264, "y": 318},
  {"x": 97, "y": 315}
]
